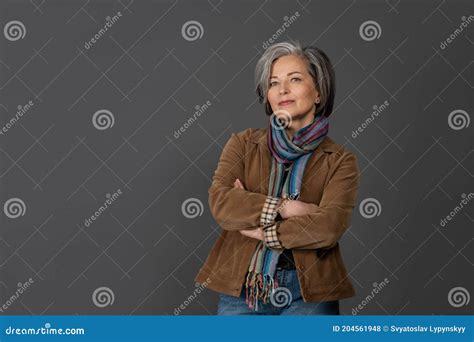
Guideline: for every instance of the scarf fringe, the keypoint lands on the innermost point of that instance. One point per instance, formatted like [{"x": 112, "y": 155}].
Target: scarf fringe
[{"x": 259, "y": 286}]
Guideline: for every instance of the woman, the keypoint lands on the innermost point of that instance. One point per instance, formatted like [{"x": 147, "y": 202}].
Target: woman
[{"x": 284, "y": 196}]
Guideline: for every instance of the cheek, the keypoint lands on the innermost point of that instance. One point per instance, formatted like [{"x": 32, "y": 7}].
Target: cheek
[
  {"x": 306, "y": 94},
  {"x": 272, "y": 96}
]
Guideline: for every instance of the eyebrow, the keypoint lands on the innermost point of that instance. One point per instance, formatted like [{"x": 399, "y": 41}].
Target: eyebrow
[{"x": 293, "y": 72}]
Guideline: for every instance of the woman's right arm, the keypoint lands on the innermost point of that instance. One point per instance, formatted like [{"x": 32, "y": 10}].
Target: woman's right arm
[{"x": 234, "y": 208}]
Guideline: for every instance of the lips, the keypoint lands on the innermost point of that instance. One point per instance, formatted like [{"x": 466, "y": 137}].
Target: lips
[{"x": 285, "y": 103}]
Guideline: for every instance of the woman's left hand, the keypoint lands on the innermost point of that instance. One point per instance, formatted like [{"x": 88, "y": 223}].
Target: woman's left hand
[{"x": 254, "y": 233}]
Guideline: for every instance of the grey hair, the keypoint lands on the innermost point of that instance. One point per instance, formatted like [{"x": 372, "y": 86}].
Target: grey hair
[{"x": 321, "y": 70}]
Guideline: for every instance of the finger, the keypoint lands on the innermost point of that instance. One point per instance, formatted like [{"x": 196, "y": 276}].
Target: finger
[
  {"x": 246, "y": 233},
  {"x": 240, "y": 183}
]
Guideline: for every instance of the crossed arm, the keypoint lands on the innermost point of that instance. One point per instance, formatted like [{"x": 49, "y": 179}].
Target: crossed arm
[
  {"x": 287, "y": 209},
  {"x": 302, "y": 225}
]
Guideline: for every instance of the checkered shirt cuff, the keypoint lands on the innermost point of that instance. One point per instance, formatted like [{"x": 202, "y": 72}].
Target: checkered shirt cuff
[
  {"x": 269, "y": 212},
  {"x": 271, "y": 237}
]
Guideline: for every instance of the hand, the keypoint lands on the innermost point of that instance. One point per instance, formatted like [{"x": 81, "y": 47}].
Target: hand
[
  {"x": 238, "y": 184},
  {"x": 254, "y": 233},
  {"x": 293, "y": 208}
]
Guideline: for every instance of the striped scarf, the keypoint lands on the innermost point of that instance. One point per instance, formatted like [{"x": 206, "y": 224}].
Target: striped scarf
[{"x": 260, "y": 282}]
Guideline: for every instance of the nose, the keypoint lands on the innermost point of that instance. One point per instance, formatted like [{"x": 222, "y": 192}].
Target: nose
[{"x": 283, "y": 88}]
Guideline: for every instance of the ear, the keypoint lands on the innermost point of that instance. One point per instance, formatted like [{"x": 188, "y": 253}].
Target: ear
[{"x": 318, "y": 97}]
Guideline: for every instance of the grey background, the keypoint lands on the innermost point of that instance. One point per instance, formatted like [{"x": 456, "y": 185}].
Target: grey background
[{"x": 143, "y": 248}]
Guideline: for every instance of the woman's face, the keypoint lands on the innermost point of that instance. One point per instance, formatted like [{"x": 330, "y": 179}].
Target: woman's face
[{"x": 291, "y": 88}]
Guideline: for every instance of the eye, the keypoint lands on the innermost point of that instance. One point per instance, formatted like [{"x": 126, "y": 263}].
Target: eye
[
  {"x": 296, "y": 78},
  {"x": 272, "y": 83}
]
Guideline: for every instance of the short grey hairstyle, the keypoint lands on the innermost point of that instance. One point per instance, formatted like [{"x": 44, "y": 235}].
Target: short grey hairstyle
[{"x": 320, "y": 69}]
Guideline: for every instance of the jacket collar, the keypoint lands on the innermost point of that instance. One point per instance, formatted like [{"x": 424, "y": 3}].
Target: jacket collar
[{"x": 259, "y": 136}]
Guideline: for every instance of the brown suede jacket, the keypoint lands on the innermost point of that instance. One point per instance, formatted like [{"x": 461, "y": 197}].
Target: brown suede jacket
[{"x": 330, "y": 183}]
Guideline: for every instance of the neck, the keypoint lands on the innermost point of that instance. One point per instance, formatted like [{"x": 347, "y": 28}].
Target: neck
[{"x": 298, "y": 123}]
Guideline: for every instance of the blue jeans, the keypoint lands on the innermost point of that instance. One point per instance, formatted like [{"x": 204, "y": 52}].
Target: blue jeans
[{"x": 289, "y": 302}]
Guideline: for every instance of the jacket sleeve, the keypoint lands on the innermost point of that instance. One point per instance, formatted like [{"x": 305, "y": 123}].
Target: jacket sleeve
[
  {"x": 325, "y": 226},
  {"x": 234, "y": 208}
]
